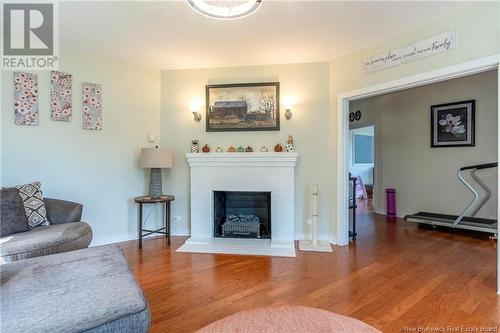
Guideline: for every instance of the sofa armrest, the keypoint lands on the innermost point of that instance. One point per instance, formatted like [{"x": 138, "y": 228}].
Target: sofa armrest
[{"x": 61, "y": 211}]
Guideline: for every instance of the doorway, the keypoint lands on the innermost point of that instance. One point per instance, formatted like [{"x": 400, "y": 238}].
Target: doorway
[
  {"x": 362, "y": 163},
  {"x": 443, "y": 74}
]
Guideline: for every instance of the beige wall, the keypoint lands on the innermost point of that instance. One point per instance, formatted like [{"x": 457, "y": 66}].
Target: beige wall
[
  {"x": 315, "y": 140},
  {"x": 104, "y": 162},
  {"x": 425, "y": 178},
  {"x": 96, "y": 168},
  {"x": 478, "y": 35},
  {"x": 307, "y": 83}
]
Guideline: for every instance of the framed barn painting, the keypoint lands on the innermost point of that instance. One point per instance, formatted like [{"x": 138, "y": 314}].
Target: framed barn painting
[
  {"x": 243, "y": 107},
  {"x": 453, "y": 124}
]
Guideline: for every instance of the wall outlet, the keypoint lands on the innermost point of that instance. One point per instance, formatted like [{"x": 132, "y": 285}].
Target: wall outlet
[{"x": 177, "y": 219}]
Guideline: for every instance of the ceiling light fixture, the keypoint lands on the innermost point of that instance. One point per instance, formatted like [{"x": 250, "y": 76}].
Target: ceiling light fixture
[{"x": 225, "y": 10}]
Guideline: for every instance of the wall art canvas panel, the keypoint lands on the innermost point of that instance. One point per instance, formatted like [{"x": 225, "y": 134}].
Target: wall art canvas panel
[
  {"x": 60, "y": 96},
  {"x": 243, "y": 107},
  {"x": 92, "y": 106},
  {"x": 453, "y": 124},
  {"x": 25, "y": 99}
]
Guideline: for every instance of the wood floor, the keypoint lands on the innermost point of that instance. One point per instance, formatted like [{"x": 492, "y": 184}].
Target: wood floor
[{"x": 396, "y": 277}]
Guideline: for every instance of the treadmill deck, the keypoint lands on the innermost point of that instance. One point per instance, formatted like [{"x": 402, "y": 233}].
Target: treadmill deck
[{"x": 469, "y": 223}]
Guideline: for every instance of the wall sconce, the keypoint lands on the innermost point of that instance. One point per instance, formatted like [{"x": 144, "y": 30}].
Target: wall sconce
[
  {"x": 196, "y": 116},
  {"x": 287, "y": 104},
  {"x": 194, "y": 106}
]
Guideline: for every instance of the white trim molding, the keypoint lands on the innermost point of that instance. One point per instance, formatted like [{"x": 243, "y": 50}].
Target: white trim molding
[
  {"x": 269, "y": 159},
  {"x": 125, "y": 237},
  {"x": 498, "y": 181}
]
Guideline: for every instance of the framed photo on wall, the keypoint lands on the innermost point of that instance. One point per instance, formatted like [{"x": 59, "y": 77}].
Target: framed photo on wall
[
  {"x": 243, "y": 107},
  {"x": 453, "y": 124}
]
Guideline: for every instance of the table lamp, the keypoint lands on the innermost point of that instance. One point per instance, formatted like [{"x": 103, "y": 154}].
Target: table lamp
[{"x": 156, "y": 159}]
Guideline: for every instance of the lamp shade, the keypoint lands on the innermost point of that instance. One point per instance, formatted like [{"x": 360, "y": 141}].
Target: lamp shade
[{"x": 156, "y": 158}]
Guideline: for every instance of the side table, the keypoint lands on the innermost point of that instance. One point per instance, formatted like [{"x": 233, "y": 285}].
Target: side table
[{"x": 166, "y": 210}]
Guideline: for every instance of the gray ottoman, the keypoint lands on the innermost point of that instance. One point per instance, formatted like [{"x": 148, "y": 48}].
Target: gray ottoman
[{"x": 89, "y": 290}]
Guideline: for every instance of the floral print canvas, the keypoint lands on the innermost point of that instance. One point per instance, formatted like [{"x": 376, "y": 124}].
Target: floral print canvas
[
  {"x": 453, "y": 124},
  {"x": 25, "y": 99},
  {"x": 60, "y": 96},
  {"x": 92, "y": 106}
]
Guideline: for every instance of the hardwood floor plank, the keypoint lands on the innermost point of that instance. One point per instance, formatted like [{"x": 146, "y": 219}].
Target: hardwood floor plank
[{"x": 396, "y": 275}]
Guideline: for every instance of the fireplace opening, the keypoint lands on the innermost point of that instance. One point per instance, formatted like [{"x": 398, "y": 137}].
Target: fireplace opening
[{"x": 242, "y": 214}]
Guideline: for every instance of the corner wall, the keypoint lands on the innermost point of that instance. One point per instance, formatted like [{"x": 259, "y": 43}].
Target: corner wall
[
  {"x": 103, "y": 173},
  {"x": 424, "y": 177},
  {"x": 478, "y": 35},
  {"x": 307, "y": 83},
  {"x": 96, "y": 168}
]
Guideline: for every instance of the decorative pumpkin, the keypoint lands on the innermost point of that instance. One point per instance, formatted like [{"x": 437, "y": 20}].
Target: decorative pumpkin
[
  {"x": 205, "y": 149},
  {"x": 240, "y": 149},
  {"x": 278, "y": 148},
  {"x": 249, "y": 149},
  {"x": 231, "y": 149}
]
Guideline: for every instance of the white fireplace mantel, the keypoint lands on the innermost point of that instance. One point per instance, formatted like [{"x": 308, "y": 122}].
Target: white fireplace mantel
[
  {"x": 242, "y": 159},
  {"x": 257, "y": 171}
]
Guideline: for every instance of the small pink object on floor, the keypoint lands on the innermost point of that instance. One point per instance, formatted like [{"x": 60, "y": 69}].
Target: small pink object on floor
[
  {"x": 360, "y": 188},
  {"x": 287, "y": 319}
]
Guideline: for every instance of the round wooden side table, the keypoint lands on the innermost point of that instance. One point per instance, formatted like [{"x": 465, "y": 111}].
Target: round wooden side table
[{"x": 166, "y": 211}]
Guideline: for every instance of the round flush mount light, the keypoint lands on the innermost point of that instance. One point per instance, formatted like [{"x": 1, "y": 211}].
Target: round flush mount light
[{"x": 225, "y": 10}]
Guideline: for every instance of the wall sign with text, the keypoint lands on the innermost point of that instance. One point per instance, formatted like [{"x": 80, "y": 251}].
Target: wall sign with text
[{"x": 420, "y": 49}]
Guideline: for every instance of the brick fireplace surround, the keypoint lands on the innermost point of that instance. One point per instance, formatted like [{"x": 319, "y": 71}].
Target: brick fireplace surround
[{"x": 251, "y": 172}]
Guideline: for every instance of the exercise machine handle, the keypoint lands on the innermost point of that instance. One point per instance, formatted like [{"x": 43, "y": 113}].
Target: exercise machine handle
[
  {"x": 480, "y": 166},
  {"x": 460, "y": 176}
]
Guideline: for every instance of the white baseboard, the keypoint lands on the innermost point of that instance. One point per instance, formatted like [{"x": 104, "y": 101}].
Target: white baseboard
[
  {"x": 382, "y": 212},
  {"x": 118, "y": 238},
  {"x": 333, "y": 240},
  {"x": 180, "y": 232},
  {"x": 325, "y": 238},
  {"x": 110, "y": 239}
]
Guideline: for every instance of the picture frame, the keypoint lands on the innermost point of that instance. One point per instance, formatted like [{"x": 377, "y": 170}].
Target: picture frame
[
  {"x": 243, "y": 107},
  {"x": 453, "y": 124}
]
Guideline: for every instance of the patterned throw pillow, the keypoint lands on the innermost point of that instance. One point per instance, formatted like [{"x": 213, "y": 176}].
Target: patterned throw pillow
[{"x": 34, "y": 204}]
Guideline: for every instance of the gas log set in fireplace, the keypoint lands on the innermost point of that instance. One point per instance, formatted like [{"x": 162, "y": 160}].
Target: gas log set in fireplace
[{"x": 242, "y": 214}]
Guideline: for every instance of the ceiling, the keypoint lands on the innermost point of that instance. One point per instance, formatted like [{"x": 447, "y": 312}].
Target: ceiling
[{"x": 170, "y": 35}]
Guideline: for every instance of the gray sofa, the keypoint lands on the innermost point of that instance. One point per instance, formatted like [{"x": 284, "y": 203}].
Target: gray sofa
[
  {"x": 66, "y": 233},
  {"x": 90, "y": 290}
]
